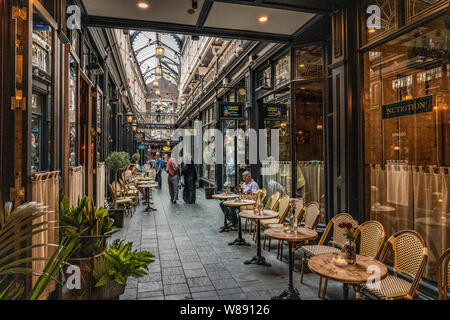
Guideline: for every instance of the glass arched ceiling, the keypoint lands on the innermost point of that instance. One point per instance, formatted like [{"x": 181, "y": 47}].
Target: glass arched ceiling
[{"x": 144, "y": 45}]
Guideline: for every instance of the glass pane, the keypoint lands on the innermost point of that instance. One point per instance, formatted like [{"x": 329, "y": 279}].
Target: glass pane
[
  {"x": 308, "y": 63},
  {"x": 310, "y": 144},
  {"x": 416, "y": 7},
  {"x": 73, "y": 110},
  {"x": 388, "y": 19},
  {"x": 283, "y": 70},
  {"x": 407, "y": 146}
]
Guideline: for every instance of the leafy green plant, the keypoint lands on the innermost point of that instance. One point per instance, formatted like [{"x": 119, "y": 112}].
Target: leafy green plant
[
  {"x": 119, "y": 263},
  {"x": 117, "y": 161},
  {"x": 17, "y": 228},
  {"x": 89, "y": 225},
  {"x": 135, "y": 157}
]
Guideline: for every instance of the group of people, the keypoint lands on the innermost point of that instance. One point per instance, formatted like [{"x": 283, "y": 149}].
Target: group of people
[{"x": 188, "y": 171}]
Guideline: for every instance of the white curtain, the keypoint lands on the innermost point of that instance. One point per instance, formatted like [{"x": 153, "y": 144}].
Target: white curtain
[
  {"x": 101, "y": 185},
  {"x": 45, "y": 190},
  {"x": 76, "y": 184},
  {"x": 311, "y": 181}
]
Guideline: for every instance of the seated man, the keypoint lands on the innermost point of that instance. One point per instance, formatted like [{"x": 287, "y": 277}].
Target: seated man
[{"x": 248, "y": 186}]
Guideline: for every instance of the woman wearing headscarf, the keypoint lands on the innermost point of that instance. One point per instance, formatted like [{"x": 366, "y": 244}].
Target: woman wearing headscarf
[
  {"x": 173, "y": 179},
  {"x": 190, "y": 178}
]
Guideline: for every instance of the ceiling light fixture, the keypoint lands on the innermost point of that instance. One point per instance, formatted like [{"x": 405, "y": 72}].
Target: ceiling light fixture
[
  {"x": 160, "y": 51},
  {"x": 143, "y": 4},
  {"x": 263, "y": 19},
  {"x": 156, "y": 83}
]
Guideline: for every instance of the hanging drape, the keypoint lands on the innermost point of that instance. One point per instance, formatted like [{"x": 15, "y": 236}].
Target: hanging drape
[
  {"x": 45, "y": 190},
  {"x": 311, "y": 182},
  {"x": 76, "y": 184},
  {"x": 101, "y": 185}
]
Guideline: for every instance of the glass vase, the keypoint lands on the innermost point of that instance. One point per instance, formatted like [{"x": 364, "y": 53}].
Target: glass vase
[{"x": 350, "y": 252}]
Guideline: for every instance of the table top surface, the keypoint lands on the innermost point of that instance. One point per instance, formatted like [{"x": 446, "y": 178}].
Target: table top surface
[
  {"x": 250, "y": 214},
  {"x": 149, "y": 185},
  {"x": 357, "y": 273},
  {"x": 301, "y": 234},
  {"x": 223, "y": 196},
  {"x": 383, "y": 209},
  {"x": 238, "y": 203}
]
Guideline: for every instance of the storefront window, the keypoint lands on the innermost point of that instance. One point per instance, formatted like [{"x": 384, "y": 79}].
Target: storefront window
[
  {"x": 309, "y": 144},
  {"x": 407, "y": 136},
  {"x": 265, "y": 78},
  {"x": 281, "y": 180},
  {"x": 414, "y": 8},
  {"x": 283, "y": 70},
  {"x": 308, "y": 63},
  {"x": 388, "y": 18},
  {"x": 73, "y": 112}
]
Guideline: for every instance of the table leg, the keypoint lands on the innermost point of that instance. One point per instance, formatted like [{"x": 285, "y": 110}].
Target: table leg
[
  {"x": 258, "y": 259},
  {"x": 291, "y": 293},
  {"x": 345, "y": 289},
  {"x": 147, "y": 200},
  {"x": 239, "y": 241},
  {"x": 226, "y": 227}
]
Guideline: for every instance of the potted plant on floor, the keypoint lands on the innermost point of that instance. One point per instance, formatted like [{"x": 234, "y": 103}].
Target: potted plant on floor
[
  {"x": 90, "y": 227},
  {"x": 119, "y": 262},
  {"x": 20, "y": 225},
  {"x": 117, "y": 161}
]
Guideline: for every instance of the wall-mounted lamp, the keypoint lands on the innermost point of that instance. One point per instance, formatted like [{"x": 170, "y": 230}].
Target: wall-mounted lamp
[{"x": 130, "y": 117}]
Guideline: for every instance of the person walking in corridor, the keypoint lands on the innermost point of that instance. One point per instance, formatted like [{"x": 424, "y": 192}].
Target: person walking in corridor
[
  {"x": 173, "y": 179},
  {"x": 159, "y": 166},
  {"x": 190, "y": 179}
]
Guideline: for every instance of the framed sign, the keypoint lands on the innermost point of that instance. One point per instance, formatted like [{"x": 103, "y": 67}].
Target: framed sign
[
  {"x": 231, "y": 111},
  {"x": 141, "y": 147},
  {"x": 408, "y": 107},
  {"x": 274, "y": 112}
]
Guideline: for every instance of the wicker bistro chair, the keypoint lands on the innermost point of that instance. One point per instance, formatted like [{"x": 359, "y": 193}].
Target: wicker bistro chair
[
  {"x": 371, "y": 236},
  {"x": 283, "y": 209},
  {"x": 410, "y": 256},
  {"x": 249, "y": 221},
  {"x": 444, "y": 275},
  {"x": 311, "y": 215},
  {"x": 124, "y": 202},
  {"x": 337, "y": 239},
  {"x": 271, "y": 204},
  {"x": 121, "y": 192}
]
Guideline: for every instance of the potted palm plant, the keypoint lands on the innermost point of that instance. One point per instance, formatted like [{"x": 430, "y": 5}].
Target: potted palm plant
[
  {"x": 119, "y": 262},
  {"x": 18, "y": 226},
  {"x": 90, "y": 227}
]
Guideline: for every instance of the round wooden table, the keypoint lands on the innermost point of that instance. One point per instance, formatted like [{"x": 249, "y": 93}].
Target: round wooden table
[
  {"x": 239, "y": 241},
  {"x": 252, "y": 214},
  {"x": 224, "y": 196},
  {"x": 357, "y": 273},
  {"x": 301, "y": 234}
]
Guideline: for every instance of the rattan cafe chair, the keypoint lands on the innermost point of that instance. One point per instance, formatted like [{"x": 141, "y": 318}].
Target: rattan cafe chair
[
  {"x": 272, "y": 204},
  {"x": 338, "y": 238},
  {"x": 124, "y": 202},
  {"x": 410, "y": 255},
  {"x": 283, "y": 209},
  {"x": 371, "y": 236},
  {"x": 444, "y": 274}
]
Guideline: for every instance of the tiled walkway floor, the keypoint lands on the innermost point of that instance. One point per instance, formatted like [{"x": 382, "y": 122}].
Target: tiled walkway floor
[{"x": 194, "y": 261}]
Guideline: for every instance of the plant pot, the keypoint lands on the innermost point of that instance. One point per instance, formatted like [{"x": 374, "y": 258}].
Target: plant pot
[
  {"x": 85, "y": 265},
  {"x": 350, "y": 253},
  {"x": 118, "y": 216},
  {"x": 110, "y": 291}
]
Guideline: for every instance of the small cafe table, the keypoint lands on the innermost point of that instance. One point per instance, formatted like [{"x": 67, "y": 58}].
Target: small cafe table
[
  {"x": 224, "y": 196},
  {"x": 147, "y": 195},
  {"x": 357, "y": 273},
  {"x": 237, "y": 203},
  {"x": 252, "y": 214},
  {"x": 301, "y": 234}
]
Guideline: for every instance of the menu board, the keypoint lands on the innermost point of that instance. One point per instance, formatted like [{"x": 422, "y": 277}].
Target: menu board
[
  {"x": 274, "y": 112},
  {"x": 231, "y": 111}
]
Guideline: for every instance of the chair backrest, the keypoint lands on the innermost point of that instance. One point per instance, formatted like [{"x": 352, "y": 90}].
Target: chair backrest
[
  {"x": 338, "y": 233},
  {"x": 444, "y": 274},
  {"x": 372, "y": 236},
  {"x": 283, "y": 208},
  {"x": 311, "y": 214},
  {"x": 116, "y": 187},
  {"x": 410, "y": 256},
  {"x": 270, "y": 205},
  {"x": 113, "y": 194}
]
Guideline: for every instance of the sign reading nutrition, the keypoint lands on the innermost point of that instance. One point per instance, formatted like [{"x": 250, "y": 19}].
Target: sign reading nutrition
[
  {"x": 274, "y": 112},
  {"x": 408, "y": 107},
  {"x": 231, "y": 111}
]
